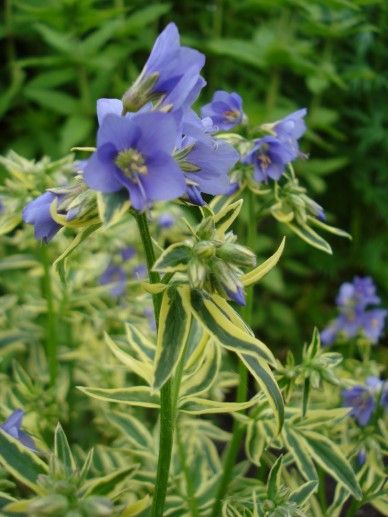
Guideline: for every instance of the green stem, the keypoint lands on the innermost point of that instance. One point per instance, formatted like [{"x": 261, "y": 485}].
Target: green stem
[
  {"x": 167, "y": 409},
  {"x": 322, "y": 490},
  {"x": 231, "y": 453},
  {"x": 51, "y": 335},
  {"x": 191, "y": 501}
]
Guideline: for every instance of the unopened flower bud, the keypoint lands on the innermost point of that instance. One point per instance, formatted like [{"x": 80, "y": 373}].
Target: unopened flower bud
[
  {"x": 204, "y": 249},
  {"x": 97, "y": 507},
  {"x": 236, "y": 254},
  {"x": 140, "y": 92},
  {"x": 228, "y": 282},
  {"x": 54, "y": 504},
  {"x": 197, "y": 272}
]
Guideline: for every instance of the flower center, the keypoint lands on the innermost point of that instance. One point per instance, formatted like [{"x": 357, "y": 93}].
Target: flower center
[
  {"x": 131, "y": 163},
  {"x": 232, "y": 115},
  {"x": 264, "y": 160}
]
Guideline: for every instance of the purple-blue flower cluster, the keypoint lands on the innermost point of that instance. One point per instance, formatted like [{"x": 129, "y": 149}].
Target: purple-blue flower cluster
[
  {"x": 355, "y": 317},
  {"x": 12, "y": 426},
  {"x": 271, "y": 154},
  {"x": 364, "y": 399}
]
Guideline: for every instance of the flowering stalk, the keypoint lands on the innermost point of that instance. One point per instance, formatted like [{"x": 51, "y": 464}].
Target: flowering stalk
[
  {"x": 242, "y": 390},
  {"x": 167, "y": 410},
  {"x": 51, "y": 340}
]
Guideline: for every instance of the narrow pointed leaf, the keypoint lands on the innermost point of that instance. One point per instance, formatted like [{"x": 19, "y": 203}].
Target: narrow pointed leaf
[
  {"x": 225, "y": 217},
  {"x": 311, "y": 237},
  {"x": 303, "y": 493},
  {"x": 257, "y": 274},
  {"x": 134, "y": 396},
  {"x": 20, "y": 462},
  {"x": 62, "y": 449},
  {"x": 330, "y": 457},
  {"x": 174, "y": 258},
  {"x": 173, "y": 330},
  {"x": 295, "y": 444}
]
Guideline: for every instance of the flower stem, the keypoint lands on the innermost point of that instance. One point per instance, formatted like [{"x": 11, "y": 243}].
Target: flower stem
[
  {"x": 51, "y": 335},
  {"x": 191, "y": 501},
  {"x": 167, "y": 409},
  {"x": 231, "y": 453}
]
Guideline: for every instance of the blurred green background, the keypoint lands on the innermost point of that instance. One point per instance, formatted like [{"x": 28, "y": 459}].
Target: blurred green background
[{"x": 330, "y": 56}]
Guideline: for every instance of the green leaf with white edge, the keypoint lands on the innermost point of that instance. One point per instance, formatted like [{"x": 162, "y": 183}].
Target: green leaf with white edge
[
  {"x": 138, "y": 342},
  {"x": 255, "y": 442},
  {"x": 202, "y": 379},
  {"x": 226, "y": 216},
  {"x": 13, "y": 262},
  {"x": 60, "y": 263},
  {"x": 301, "y": 495},
  {"x": 83, "y": 474},
  {"x": 274, "y": 478},
  {"x": 328, "y": 228},
  {"x": 105, "y": 485},
  {"x": 174, "y": 258},
  {"x": 135, "y": 396},
  {"x": 199, "y": 406},
  {"x": 19, "y": 461},
  {"x": 311, "y": 237},
  {"x": 330, "y": 457},
  {"x": 133, "y": 429},
  {"x": 62, "y": 449},
  {"x": 8, "y": 222},
  {"x": 136, "y": 508},
  {"x": 295, "y": 445},
  {"x": 265, "y": 379},
  {"x": 141, "y": 368},
  {"x": 228, "y": 334},
  {"x": 257, "y": 274},
  {"x": 173, "y": 330},
  {"x": 315, "y": 345},
  {"x": 112, "y": 206}
]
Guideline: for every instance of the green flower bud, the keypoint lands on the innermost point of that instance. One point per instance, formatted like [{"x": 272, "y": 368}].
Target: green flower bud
[
  {"x": 97, "y": 507},
  {"x": 54, "y": 505},
  {"x": 140, "y": 92},
  {"x": 236, "y": 254},
  {"x": 197, "y": 272},
  {"x": 204, "y": 249}
]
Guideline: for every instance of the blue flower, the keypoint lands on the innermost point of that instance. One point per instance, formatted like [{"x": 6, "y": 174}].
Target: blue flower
[
  {"x": 358, "y": 294},
  {"x": 12, "y": 426},
  {"x": 269, "y": 157},
  {"x": 2, "y": 207},
  {"x": 37, "y": 212},
  {"x": 225, "y": 110},
  {"x": 204, "y": 160},
  {"x": 362, "y": 402},
  {"x": 354, "y": 318},
  {"x": 116, "y": 277},
  {"x": 135, "y": 153},
  {"x": 166, "y": 220},
  {"x": 291, "y": 127},
  {"x": 139, "y": 272},
  {"x": 170, "y": 76},
  {"x": 128, "y": 252}
]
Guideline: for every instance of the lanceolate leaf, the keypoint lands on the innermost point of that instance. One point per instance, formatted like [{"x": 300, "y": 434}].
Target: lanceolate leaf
[
  {"x": 174, "y": 258},
  {"x": 264, "y": 377},
  {"x": 274, "y": 478},
  {"x": 174, "y": 327},
  {"x": 329, "y": 456},
  {"x": 311, "y": 237},
  {"x": 303, "y": 493},
  {"x": 203, "y": 378},
  {"x": 134, "y": 396},
  {"x": 257, "y": 274},
  {"x": 20, "y": 462},
  {"x": 134, "y": 430},
  {"x": 295, "y": 444},
  {"x": 62, "y": 450},
  {"x": 199, "y": 406},
  {"x": 106, "y": 484},
  {"x": 142, "y": 368},
  {"x": 328, "y": 228},
  {"x": 226, "y": 332},
  {"x": 225, "y": 217}
]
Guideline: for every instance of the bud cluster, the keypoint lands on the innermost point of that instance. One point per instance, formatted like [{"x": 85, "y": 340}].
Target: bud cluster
[{"x": 211, "y": 261}]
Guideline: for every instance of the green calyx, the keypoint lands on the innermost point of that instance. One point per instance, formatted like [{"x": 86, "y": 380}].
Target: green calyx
[{"x": 131, "y": 163}]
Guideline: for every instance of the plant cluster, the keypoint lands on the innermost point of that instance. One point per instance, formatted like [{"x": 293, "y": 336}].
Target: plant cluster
[{"x": 145, "y": 369}]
